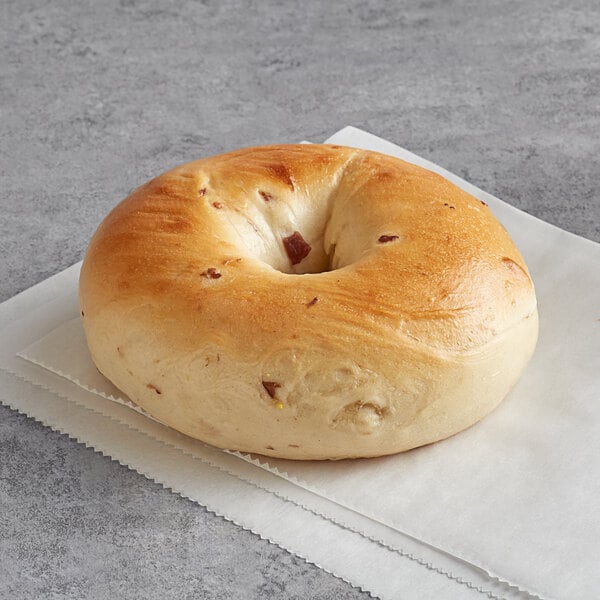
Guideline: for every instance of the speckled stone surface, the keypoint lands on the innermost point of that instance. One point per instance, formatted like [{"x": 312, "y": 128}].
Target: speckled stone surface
[{"x": 96, "y": 97}]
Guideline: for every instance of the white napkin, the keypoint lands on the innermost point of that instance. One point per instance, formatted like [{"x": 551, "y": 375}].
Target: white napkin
[
  {"x": 286, "y": 514},
  {"x": 513, "y": 496}
]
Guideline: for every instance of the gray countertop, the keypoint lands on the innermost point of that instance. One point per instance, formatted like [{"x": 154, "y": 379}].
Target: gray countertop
[{"x": 97, "y": 97}]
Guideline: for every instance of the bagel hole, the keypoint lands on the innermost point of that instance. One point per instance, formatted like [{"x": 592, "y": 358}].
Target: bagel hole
[
  {"x": 308, "y": 258},
  {"x": 313, "y": 236},
  {"x": 300, "y": 255},
  {"x": 297, "y": 255}
]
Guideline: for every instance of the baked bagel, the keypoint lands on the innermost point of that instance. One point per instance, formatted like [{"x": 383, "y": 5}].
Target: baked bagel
[{"x": 308, "y": 302}]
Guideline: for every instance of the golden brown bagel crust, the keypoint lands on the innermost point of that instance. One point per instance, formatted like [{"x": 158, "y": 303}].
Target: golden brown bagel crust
[{"x": 411, "y": 317}]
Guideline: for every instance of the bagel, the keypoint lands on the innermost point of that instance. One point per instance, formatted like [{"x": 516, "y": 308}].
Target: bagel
[{"x": 308, "y": 302}]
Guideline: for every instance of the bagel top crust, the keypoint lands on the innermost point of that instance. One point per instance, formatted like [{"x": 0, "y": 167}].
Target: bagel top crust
[{"x": 279, "y": 261}]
